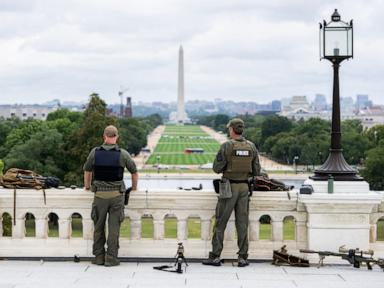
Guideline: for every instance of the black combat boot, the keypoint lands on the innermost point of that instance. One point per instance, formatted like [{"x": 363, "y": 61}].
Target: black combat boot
[
  {"x": 98, "y": 260},
  {"x": 242, "y": 262},
  {"x": 111, "y": 261},
  {"x": 212, "y": 260}
]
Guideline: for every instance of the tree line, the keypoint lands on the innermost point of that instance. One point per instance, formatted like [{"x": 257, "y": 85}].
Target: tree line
[
  {"x": 60, "y": 145},
  {"x": 308, "y": 142}
]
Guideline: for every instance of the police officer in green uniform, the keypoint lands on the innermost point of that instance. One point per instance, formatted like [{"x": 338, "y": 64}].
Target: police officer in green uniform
[
  {"x": 238, "y": 160},
  {"x": 103, "y": 174}
]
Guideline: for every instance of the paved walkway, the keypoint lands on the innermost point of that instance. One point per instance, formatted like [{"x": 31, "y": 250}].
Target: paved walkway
[
  {"x": 152, "y": 140},
  {"x": 31, "y": 274}
]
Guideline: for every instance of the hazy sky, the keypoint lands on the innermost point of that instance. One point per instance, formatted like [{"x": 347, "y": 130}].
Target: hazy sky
[{"x": 239, "y": 49}]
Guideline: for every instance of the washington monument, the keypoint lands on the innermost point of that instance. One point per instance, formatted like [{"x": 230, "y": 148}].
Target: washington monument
[{"x": 181, "y": 116}]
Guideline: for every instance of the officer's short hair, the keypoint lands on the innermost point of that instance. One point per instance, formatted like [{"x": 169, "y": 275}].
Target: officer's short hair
[
  {"x": 111, "y": 131},
  {"x": 237, "y": 124}
]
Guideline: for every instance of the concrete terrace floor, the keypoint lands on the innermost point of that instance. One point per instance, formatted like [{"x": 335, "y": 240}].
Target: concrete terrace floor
[{"x": 128, "y": 275}]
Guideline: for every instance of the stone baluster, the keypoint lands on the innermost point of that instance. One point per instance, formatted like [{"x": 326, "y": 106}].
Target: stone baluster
[
  {"x": 205, "y": 229},
  {"x": 158, "y": 229},
  {"x": 229, "y": 234},
  {"x": 373, "y": 233},
  {"x": 65, "y": 228},
  {"x": 301, "y": 231},
  {"x": 136, "y": 228},
  {"x": 88, "y": 228},
  {"x": 18, "y": 230},
  {"x": 254, "y": 229},
  {"x": 182, "y": 231},
  {"x": 1, "y": 226},
  {"x": 41, "y": 228},
  {"x": 277, "y": 230}
]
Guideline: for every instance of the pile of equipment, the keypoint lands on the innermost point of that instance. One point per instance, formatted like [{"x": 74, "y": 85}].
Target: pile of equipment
[{"x": 356, "y": 257}]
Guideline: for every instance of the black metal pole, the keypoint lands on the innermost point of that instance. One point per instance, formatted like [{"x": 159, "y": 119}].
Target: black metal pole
[
  {"x": 336, "y": 129},
  {"x": 335, "y": 165}
]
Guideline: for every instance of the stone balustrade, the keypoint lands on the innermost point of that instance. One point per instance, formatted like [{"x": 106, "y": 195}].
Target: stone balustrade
[{"x": 182, "y": 205}]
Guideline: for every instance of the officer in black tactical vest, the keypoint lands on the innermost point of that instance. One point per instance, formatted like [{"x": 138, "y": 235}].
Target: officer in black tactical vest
[
  {"x": 103, "y": 174},
  {"x": 238, "y": 160}
]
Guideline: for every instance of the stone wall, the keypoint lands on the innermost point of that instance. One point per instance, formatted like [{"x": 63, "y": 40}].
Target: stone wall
[{"x": 321, "y": 221}]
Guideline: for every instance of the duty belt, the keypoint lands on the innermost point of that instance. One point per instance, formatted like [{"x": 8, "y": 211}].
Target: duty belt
[
  {"x": 238, "y": 181},
  {"x": 108, "y": 188}
]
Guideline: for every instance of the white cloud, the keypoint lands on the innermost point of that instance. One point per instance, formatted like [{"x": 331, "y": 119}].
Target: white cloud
[{"x": 243, "y": 50}]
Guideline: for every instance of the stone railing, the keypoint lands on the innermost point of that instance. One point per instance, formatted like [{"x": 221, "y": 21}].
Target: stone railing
[{"x": 185, "y": 205}]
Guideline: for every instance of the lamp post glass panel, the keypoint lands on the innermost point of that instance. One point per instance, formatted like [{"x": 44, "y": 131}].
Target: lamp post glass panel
[
  {"x": 336, "y": 45},
  {"x": 336, "y": 39}
]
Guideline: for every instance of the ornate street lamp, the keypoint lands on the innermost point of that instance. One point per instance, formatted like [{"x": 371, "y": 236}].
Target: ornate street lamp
[{"x": 336, "y": 45}]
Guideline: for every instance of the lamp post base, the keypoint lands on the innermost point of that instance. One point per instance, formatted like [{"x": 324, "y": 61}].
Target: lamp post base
[{"x": 337, "y": 167}]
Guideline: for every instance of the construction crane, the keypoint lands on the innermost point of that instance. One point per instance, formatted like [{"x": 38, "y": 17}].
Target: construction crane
[{"x": 121, "y": 93}]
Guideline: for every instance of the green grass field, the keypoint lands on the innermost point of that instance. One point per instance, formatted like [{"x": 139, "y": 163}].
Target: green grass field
[
  {"x": 187, "y": 140},
  {"x": 176, "y": 139},
  {"x": 180, "y": 147},
  {"x": 184, "y": 130}
]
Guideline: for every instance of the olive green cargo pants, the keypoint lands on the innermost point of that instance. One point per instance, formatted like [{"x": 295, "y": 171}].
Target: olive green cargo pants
[
  {"x": 239, "y": 203},
  {"x": 114, "y": 208}
]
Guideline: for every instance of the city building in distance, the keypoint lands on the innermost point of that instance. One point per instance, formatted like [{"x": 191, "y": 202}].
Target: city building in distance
[{"x": 25, "y": 112}]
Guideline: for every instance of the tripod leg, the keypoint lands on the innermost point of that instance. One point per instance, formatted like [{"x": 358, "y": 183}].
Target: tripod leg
[
  {"x": 321, "y": 261},
  {"x": 179, "y": 262}
]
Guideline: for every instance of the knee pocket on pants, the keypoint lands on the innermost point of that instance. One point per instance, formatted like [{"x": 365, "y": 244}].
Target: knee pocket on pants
[
  {"x": 122, "y": 215},
  {"x": 94, "y": 215}
]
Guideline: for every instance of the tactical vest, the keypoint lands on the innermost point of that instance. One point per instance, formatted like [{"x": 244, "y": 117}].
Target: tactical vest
[
  {"x": 239, "y": 160},
  {"x": 107, "y": 165}
]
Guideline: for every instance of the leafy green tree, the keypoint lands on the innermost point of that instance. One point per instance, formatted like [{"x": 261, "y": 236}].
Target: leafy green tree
[
  {"x": 153, "y": 120},
  {"x": 313, "y": 127},
  {"x": 88, "y": 135},
  {"x": 373, "y": 172},
  {"x": 273, "y": 125},
  {"x": 285, "y": 148},
  {"x": 39, "y": 153},
  {"x": 63, "y": 126},
  {"x": 253, "y": 134},
  {"x": 60, "y": 145},
  {"x": 375, "y": 134},
  {"x": 309, "y": 140},
  {"x": 352, "y": 125},
  {"x": 72, "y": 116},
  {"x": 314, "y": 138},
  {"x": 314, "y": 150},
  {"x": 1, "y": 167},
  {"x": 6, "y": 127},
  {"x": 354, "y": 141},
  {"x": 355, "y": 146},
  {"x": 271, "y": 141},
  {"x": 22, "y": 133},
  {"x": 253, "y": 121},
  {"x": 217, "y": 122},
  {"x": 133, "y": 134},
  {"x": 220, "y": 122}
]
